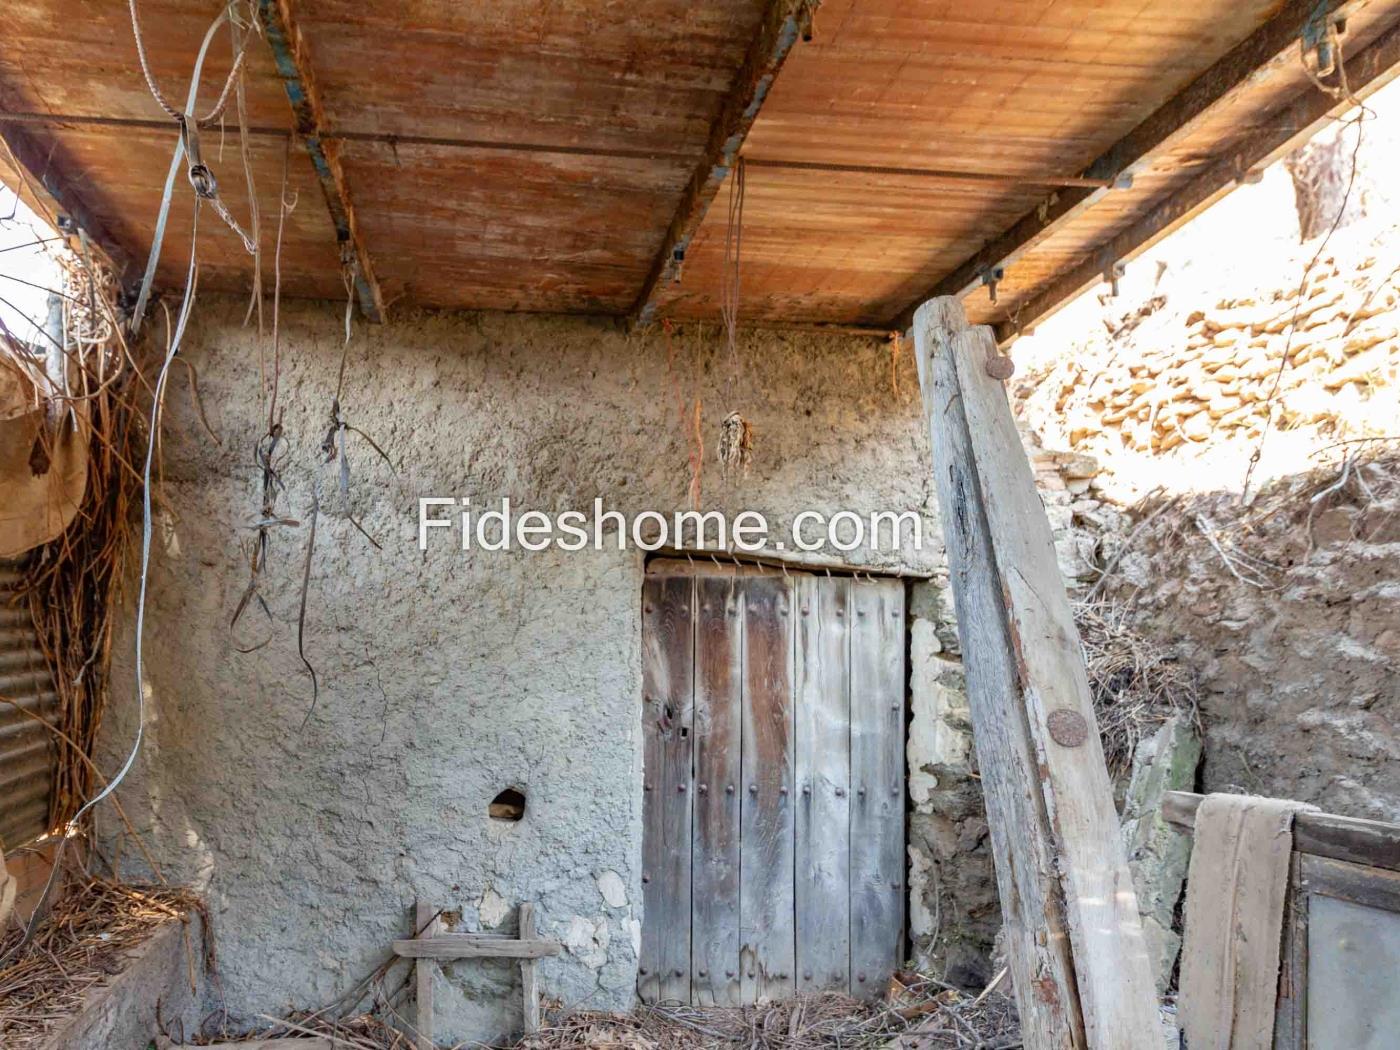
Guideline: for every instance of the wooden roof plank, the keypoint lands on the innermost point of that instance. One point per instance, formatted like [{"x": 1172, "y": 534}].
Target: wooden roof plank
[
  {"x": 49, "y": 187},
  {"x": 290, "y": 53},
  {"x": 1221, "y": 85},
  {"x": 777, "y": 34},
  {"x": 1368, "y": 71}
]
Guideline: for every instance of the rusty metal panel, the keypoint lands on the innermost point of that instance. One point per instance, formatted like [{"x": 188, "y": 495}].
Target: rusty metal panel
[{"x": 26, "y": 747}]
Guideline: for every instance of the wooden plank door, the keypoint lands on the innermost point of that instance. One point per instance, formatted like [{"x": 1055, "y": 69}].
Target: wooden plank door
[
  {"x": 792, "y": 875},
  {"x": 668, "y": 667}
]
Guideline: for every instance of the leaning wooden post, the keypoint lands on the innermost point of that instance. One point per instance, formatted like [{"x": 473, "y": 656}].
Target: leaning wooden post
[
  {"x": 1074, "y": 937},
  {"x": 426, "y": 924}
]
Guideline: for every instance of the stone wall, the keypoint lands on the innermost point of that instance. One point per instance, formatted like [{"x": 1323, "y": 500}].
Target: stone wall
[{"x": 446, "y": 676}]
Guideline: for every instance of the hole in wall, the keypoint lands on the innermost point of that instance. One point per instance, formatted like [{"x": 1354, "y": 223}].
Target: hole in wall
[{"x": 509, "y": 805}]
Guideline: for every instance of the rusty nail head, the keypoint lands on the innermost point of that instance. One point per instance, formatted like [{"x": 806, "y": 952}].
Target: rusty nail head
[
  {"x": 704, "y": 789},
  {"x": 806, "y": 975},
  {"x": 1000, "y": 367},
  {"x": 729, "y": 789},
  {"x": 806, "y": 789},
  {"x": 699, "y": 973},
  {"x": 646, "y": 878},
  {"x": 680, "y": 788},
  {"x": 860, "y": 977},
  {"x": 729, "y": 973},
  {"x": 648, "y": 608},
  {"x": 840, "y": 792},
  {"x": 753, "y": 789},
  {"x": 677, "y": 972},
  {"x": 804, "y": 610},
  {"x": 782, "y": 791},
  {"x": 1067, "y": 728},
  {"x": 642, "y": 970}
]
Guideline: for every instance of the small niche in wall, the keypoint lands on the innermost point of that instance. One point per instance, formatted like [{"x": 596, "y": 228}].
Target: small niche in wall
[{"x": 509, "y": 805}]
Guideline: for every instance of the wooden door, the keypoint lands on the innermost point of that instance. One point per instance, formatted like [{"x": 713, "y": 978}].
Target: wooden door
[{"x": 773, "y": 793}]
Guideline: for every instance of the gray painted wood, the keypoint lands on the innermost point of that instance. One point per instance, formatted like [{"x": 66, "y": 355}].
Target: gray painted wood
[
  {"x": 1019, "y": 640},
  {"x": 767, "y": 942},
  {"x": 425, "y": 924},
  {"x": 449, "y": 946},
  {"x": 877, "y": 784},
  {"x": 823, "y": 777},
  {"x": 715, "y": 877},
  {"x": 1113, "y": 973},
  {"x": 667, "y": 684},
  {"x": 529, "y": 972},
  {"x": 1032, "y": 905}
]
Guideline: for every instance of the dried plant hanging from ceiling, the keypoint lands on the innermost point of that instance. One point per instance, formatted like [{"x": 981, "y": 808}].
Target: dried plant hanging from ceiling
[{"x": 736, "y": 433}]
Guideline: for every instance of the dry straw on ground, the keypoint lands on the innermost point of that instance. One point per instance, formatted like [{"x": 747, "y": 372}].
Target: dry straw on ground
[{"x": 77, "y": 948}]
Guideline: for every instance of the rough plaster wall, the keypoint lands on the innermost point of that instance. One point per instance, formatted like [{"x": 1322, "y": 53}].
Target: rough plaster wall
[{"x": 447, "y": 676}]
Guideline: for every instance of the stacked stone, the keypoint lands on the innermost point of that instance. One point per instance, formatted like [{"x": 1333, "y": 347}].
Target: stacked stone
[{"x": 1342, "y": 345}]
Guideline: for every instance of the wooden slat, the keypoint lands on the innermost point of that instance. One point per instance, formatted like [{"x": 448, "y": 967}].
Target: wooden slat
[
  {"x": 715, "y": 879},
  {"x": 1353, "y": 839},
  {"x": 1032, "y": 905},
  {"x": 767, "y": 951},
  {"x": 823, "y": 777},
  {"x": 877, "y": 782},
  {"x": 529, "y": 972},
  {"x": 474, "y": 946},
  {"x": 425, "y": 924},
  {"x": 667, "y": 665},
  {"x": 1112, "y": 975}
]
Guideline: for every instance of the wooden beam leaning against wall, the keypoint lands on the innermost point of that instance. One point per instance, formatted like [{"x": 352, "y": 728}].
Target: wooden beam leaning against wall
[{"x": 1074, "y": 937}]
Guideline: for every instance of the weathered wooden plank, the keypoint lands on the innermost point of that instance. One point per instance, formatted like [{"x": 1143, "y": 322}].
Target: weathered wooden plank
[
  {"x": 1353, "y": 839},
  {"x": 767, "y": 944},
  {"x": 715, "y": 879},
  {"x": 1032, "y": 904},
  {"x": 667, "y": 671},
  {"x": 877, "y": 782},
  {"x": 425, "y": 924},
  {"x": 1112, "y": 971},
  {"x": 529, "y": 972},
  {"x": 474, "y": 946},
  {"x": 822, "y": 752}
]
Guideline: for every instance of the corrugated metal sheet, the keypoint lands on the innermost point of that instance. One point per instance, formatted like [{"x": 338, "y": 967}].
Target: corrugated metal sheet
[{"x": 26, "y": 748}]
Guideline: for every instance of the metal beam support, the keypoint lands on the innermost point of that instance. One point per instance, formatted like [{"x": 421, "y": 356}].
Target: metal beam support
[
  {"x": 49, "y": 187},
  {"x": 1272, "y": 45},
  {"x": 289, "y": 51},
  {"x": 780, "y": 29},
  {"x": 1367, "y": 71}
]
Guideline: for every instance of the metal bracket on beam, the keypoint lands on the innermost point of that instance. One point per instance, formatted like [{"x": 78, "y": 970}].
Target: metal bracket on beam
[
  {"x": 784, "y": 22},
  {"x": 991, "y": 277}
]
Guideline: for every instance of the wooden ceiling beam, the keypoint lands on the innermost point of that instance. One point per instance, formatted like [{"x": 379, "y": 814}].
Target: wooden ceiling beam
[
  {"x": 1227, "y": 81},
  {"x": 783, "y": 23},
  {"x": 1309, "y": 112},
  {"x": 47, "y": 187},
  {"x": 291, "y": 55}
]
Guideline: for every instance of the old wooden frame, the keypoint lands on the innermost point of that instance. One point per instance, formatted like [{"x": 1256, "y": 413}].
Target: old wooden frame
[
  {"x": 290, "y": 53},
  {"x": 430, "y": 946},
  {"x": 1213, "y": 91},
  {"x": 1078, "y": 961},
  {"x": 1343, "y": 857},
  {"x": 779, "y": 31}
]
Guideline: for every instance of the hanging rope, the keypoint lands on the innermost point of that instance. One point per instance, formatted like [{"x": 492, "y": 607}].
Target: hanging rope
[{"x": 736, "y": 434}]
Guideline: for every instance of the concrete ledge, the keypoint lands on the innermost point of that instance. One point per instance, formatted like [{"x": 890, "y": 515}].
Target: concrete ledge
[{"x": 121, "y": 1014}]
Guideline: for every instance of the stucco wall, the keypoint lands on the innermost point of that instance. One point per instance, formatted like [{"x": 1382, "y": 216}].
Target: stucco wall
[{"x": 447, "y": 676}]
